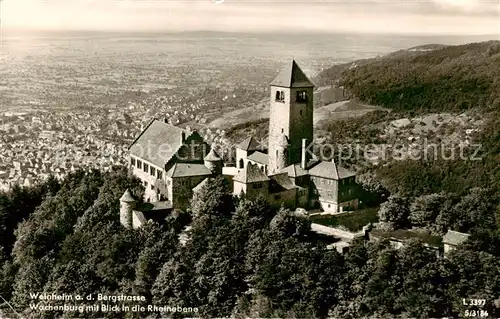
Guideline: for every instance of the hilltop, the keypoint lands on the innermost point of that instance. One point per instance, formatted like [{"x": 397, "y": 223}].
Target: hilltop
[
  {"x": 431, "y": 77},
  {"x": 336, "y": 73}
]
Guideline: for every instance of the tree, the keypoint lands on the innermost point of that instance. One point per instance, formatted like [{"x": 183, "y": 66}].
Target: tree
[
  {"x": 31, "y": 277},
  {"x": 160, "y": 246},
  {"x": 395, "y": 212},
  {"x": 173, "y": 284},
  {"x": 213, "y": 198},
  {"x": 475, "y": 209},
  {"x": 472, "y": 275},
  {"x": 286, "y": 224},
  {"x": 425, "y": 209},
  {"x": 421, "y": 281}
]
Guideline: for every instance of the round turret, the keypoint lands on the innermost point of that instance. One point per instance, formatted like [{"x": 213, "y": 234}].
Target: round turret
[
  {"x": 213, "y": 162},
  {"x": 127, "y": 205}
]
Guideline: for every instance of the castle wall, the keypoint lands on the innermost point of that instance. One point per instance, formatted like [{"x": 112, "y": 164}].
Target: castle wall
[
  {"x": 292, "y": 118},
  {"x": 329, "y": 206},
  {"x": 278, "y": 123},
  {"x": 301, "y": 118},
  {"x": 326, "y": 189},
  {"x": 126, "y": 214},
  {"x": 182, "y": 190},
  {"x": 286, "y": 198},
  {"x": 147, "y": 178},
  {"x": 238, "y": 188},
  {"x": 302, "y": 197},
  {"x": 352, "y": 204},
  {"x": 347, "y": 190},
  {"x": 261, "y": 166},
  {"x": 193, "y": 150},
  {"x": 241, "y": 155},
  {"x": 138, "y": 219},
  {"x": 251, "y": 190}
]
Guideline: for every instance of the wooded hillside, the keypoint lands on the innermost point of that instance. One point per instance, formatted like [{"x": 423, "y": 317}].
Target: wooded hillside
[{"x": 449, "y": 78}]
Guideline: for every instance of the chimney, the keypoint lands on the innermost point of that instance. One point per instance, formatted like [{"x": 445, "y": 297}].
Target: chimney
[
  {"x": 303, "y": 156},
  {"x": 336, "y": 167}
]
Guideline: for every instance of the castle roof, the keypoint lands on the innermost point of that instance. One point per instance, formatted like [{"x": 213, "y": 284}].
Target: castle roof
[
  {"x": 251, "y": 174},
  {"x": 188, "y": 169},
  {"x": 157, "y": 143},
  {"x": 127, "y": 197},
  {"x": 294, "y": 170},
  {"x": 280, "y": 182},
  {"x": 212, "y": 156},
  {"x": 329, "y": 170},
  {"x": 250, "y": 144},
  {"x": 154, "y": 206},
  {"x": 156, "y": 212},
  {"x": 292, "y": 77},
  {"x": 259, "y": 157}
]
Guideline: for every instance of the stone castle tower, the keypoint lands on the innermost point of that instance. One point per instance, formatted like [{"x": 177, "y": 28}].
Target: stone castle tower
[
  {"x": 127, "y": 205},
  {"x": 291, "y": 116}
]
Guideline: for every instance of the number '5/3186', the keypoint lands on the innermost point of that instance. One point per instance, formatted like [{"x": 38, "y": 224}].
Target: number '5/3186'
[{"x": 476, "y": 313}]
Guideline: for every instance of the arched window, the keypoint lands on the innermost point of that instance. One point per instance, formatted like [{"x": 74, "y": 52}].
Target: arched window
[
  {"x": 280, "y": 96},
  {"x": 301, "y": 97},
  {"x": 241, "y": 163}
]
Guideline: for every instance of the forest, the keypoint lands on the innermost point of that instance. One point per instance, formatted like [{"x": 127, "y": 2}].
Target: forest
[
  {"x": 449, "y": 78},
  {"x": 242, "y": 259}
]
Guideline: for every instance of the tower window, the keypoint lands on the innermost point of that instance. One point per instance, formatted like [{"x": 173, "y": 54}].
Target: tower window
[
  {"x": 280, "y": 96},
  {"x": 301, "y": 97},
  {"x": 282, "y": 130},
  {"x": 300, "y": 112}
]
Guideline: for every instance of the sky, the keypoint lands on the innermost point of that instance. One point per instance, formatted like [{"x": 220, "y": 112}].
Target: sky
[{"x": 460, "y": 17}]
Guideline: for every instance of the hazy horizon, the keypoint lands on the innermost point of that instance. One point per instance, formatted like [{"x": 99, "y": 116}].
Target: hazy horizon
[{"x": 432, "y": 17}]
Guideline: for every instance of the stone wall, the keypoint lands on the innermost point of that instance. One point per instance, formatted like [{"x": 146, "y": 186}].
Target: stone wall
[
  {"x": 338, "y": 233},
  {"x": 146, "y": 177},
  {"x": 292, "y": 118},
  {"x": 286, "y": 198},
  {"x": 182, "y": 190}
]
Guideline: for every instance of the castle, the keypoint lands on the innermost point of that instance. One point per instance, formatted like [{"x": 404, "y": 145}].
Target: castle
[{"x": 174, "y": 163}]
